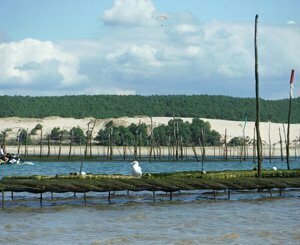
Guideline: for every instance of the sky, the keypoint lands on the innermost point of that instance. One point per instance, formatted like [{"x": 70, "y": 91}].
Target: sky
[{"x": 148, "y": 47}]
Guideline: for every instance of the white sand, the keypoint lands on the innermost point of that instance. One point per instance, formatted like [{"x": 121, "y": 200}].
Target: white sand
[{"x": 234, "y": 128}]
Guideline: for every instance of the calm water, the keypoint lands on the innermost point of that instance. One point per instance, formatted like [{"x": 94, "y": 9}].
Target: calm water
[{"x": 191, "y": 218}]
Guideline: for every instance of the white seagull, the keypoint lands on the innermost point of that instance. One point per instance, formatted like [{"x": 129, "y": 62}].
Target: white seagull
[{"x": 136, "y": 169}]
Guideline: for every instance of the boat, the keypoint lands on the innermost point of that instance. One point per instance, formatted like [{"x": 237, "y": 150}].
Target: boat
[{"x": 12, "y": 159}]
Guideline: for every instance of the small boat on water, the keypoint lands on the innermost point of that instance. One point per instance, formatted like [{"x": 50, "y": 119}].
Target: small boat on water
[{"x": 11, "y": 159}]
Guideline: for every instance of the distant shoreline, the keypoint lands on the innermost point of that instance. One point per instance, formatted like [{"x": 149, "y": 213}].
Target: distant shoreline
[
  {"x": 102, "y": 153},
  {"x": 233, "y": 128}
]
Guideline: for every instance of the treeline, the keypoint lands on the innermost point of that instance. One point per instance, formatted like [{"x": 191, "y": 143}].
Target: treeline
[
  {"x": 114, "y": 106},
  {"x": 175, "y": 132}
]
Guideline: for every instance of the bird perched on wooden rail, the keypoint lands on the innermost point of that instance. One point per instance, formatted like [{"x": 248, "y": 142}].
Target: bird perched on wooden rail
[{"x": 136, "y": 169}]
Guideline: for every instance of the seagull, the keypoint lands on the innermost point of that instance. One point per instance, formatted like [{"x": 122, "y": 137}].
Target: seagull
[
  {"x": 274, "y": 168},
  {"x": 82, "y": 174},
  {"x": 136, "y": 169}
]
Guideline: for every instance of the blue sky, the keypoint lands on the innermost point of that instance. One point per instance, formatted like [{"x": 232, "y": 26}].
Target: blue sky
[{"x": 58, "y": 47}]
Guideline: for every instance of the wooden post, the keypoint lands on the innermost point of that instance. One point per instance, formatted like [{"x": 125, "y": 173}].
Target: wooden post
[
  {"x": 2, "y": 199},
  {"x": 108, "y": 196},
  {"x": 270, "y": 144},
  {"x": 280, "y": 141},
  {"x": 26, "y": 142},
  {"x": 84, "y": 196},
  {"x": 289, "y": 122},
  {"x": 70, "y": 149},
  {"x": 254, "y": 143},
  {"x": 60, "y": 142},
  {"x": 19, "y": 141},
  {"x": 195, "y": 153},
  {"x": 153, "y": 195},
  {"x": 203, "y": 148},
  {"x": 91, "y": 136},
  {"x": 226, "y": 148},
  {"x": 151, "y": 140},
  {"x": 87, "y": 141},
  {"x": 124, "y": 147},
  {"x": 41, "y": 199},
  {"x": 48, "y": 155},
  {"x": 140, "y": 147},
  {"x": 259, "y": 155},
  {"x": 41, "y": 143}
]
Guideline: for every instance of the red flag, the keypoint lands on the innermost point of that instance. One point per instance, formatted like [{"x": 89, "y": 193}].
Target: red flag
[{"x": 292, "y": 83}]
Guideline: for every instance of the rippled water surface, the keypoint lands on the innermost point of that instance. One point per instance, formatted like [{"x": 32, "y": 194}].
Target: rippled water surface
[{"x": 191, "y": 218}]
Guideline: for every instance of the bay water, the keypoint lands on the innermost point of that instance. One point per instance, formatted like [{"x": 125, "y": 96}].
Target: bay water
[{"x": 190, "y": 218}]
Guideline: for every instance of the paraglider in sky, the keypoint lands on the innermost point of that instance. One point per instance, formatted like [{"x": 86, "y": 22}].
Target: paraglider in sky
[{"x": 161, "y": 20}]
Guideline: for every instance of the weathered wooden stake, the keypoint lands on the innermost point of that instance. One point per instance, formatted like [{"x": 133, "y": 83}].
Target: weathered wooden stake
[
  {"x": 259, "y": 155},
  {"x": 228, "y": 194},
  {"x": 281, "y": 150},
  {"x": 70, "y": 149},
  {"x": 270, "y": 144},
  {"x": 2, "y": 199},
  {"x": 41, "y": 199},
  {"x": 108, "y": 196},
  {"x": 41, "y": 143},
  {"x": 60, "y": 142},
  {"x": 153, "y": 195},
  {"x": 48, "y": 155},
  {"x": 289, "y": 122},
  {"x": 84, "y": 196},
  {"x": 26, "y": 142},
  {"x": 225, "y": 143}
]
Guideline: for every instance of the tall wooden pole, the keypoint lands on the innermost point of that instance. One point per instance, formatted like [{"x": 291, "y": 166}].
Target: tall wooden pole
[
  {"x": 60, "y": 142},
  {"x": 270, "y": 144},
  {"x": 289, "y": 121},
  {"x": 225, "y": 142},
  {"x": 280, "y": 141},
  {"x": 41, "y": 143},
  {"x": 259, "y": 156}
]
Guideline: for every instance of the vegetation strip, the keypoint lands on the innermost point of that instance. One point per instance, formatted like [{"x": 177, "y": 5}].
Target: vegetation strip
[
  {"x": 169, "y": 182},
  {"x": 108, "y": 106}
]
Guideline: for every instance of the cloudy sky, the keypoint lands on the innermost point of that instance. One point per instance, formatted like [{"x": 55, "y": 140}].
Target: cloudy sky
[{"x": 146, "y": 47}]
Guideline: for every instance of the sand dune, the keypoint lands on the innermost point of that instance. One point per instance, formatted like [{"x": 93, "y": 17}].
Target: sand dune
[{"x": 234, "y": 128}]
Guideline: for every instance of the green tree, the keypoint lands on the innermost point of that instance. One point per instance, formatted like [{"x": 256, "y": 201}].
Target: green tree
[{"x": 77, "y": 135}]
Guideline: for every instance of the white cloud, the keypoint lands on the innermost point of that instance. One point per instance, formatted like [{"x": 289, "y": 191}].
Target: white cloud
[
  {"x": 130, "y": 12},
  {"x": 291, "y": 22},
  {"x": 32, "y": 61},
  {"x": 186, "y": 28},
  {"x": 136, "y": 55}
]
